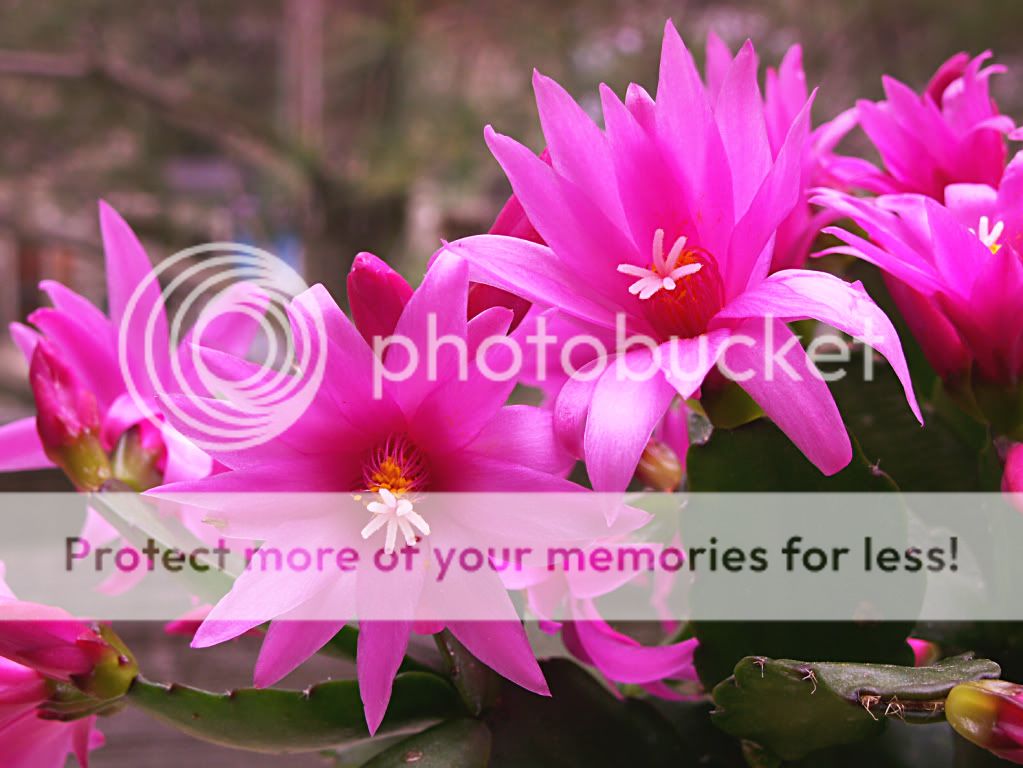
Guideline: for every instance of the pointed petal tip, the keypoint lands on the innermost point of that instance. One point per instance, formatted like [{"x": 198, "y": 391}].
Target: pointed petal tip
[
  {"x": 374, "y": 711},
  {"x": 541, "y": 688},
  {"x": 265, "y": 675},
  {"x": 108, "y": 215}
]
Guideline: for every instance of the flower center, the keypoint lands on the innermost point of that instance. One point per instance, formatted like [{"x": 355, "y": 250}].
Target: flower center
[
  {"x": 395, "y": 472},
  {"x": 989, "y": 235},
  {"x": 397, "y": 465},
  {"x": 680, "y": 291}
]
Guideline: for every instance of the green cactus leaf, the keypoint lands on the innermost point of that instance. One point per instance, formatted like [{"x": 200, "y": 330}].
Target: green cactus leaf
[
  {"x": 476, "y": 683},
  {"x": 793, "y": 708},
  {"x": 580, "y": 724},
  {"x": 760, "y": 457},
  {"x": 462, "y": 743},
  {"x": 279, "y": 721}
]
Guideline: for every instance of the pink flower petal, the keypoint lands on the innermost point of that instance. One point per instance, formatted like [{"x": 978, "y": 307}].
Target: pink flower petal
[
  {"x": 797, "y": 294},
  {"x": 381, "y": 649},
  {"x": 800, "y": 404},
  {"x": 20, "y": 448},
  {"x": 616, "y": 436}
]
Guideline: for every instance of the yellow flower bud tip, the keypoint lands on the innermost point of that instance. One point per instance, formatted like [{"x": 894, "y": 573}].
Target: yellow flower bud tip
[
  {"x": 987, "y": 713},
  {"x": 659, "y": 467}
]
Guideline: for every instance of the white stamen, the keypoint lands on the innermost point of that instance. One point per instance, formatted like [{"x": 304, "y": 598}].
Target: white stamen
[
  {"x": 989, "y": 235},
  {"x": 664, "y": 272},
  {"x": 398, "y": 515}
]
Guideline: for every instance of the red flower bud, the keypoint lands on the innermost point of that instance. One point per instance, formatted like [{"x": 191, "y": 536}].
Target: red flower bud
[
  {"x": 67, "y": 419},
  {"x": 377, "y": 295},
  {"x": 990, "y": 714}
]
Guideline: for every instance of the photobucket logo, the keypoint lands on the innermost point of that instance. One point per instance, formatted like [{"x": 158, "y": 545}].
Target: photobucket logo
[
  {"x": 763, "y": 349},
  {"x": 240, "y": 292}
]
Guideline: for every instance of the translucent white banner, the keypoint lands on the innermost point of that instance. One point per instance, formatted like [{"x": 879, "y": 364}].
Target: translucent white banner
[{"x": 500, "y": 556}]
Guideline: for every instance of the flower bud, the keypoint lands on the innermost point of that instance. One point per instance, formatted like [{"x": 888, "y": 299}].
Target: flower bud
[
  {"x": 659, "y": 467},
  {"x": 510, "y": 222},
  {"x": 64, "y": 649},
  {"x": 377, "y": 295},
  {"x": 990, "y": 714},
  {"x": 140, "y": 457},
  {"x": 48, "y": 640},
  {"x": 114, "y": 671},
  {"x": 67, "y": 419},
  {"x": 483, "y": 297}
]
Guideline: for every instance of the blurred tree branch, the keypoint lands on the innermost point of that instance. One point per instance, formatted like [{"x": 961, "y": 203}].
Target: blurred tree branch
[
  {"x": 286, "y": 163},
  {"x": 335, "y": 218}
]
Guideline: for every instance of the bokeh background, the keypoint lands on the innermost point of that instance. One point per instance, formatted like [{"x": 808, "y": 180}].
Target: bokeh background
[{"x": 318, "y": 129}]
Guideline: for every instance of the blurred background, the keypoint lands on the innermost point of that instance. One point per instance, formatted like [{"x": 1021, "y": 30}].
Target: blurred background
[{"x": 318, "y": 129}]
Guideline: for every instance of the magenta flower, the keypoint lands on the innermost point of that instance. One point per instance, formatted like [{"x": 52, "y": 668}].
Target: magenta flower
[
  {"x": 950, "y": 133},
  {"x": 667, "y": 220},
  {"x": 955, "y": 270},
  {"x": 623, "y": 659},
  {"x": 39, "y": 644},
  {"x": 785, "y": 95},
  {"x": 46, "y": 639},
  {"x": 30, "y": 741},
  {"x": 588, "y": 637},
  {"x": 435, "y": 432},
  {"x": 84, "y": 341}
]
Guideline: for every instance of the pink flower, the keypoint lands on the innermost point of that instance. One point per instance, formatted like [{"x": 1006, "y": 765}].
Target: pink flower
[
  {"x": 956, "y": 272},
  {"x": 29, "y": 741},
  {"x": 37, "y": 644},
  {"x": 622, "y": 659},
  {"x": 950, "y": 133},
  {"x": 667, "y": 219},
  {"x": 785, "y": 94},
  {"x": 434, "y": 432},
  {"x": 83, "y": 342},
  {"x": 588, "y": 637},
  {"x": 49, "y": 640}
]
